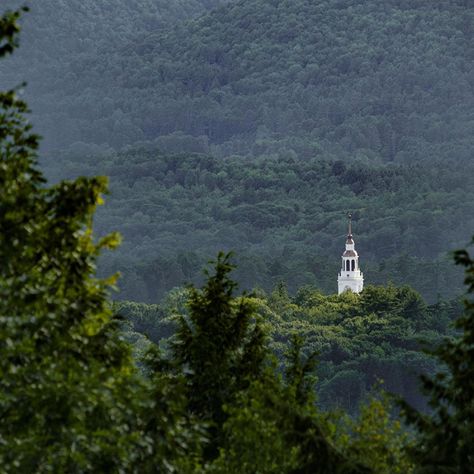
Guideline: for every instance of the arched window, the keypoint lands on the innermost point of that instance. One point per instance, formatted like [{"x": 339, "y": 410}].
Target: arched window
[
  {"x": 348, "y": 265},
  {"x": 353, "y": 265}
]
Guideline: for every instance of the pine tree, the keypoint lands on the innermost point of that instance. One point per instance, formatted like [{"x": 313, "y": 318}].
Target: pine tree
[
  {"x": 275, "y": 427},
  {"x": 446, "y": 437},
  {"x": 218, "y": 349}
]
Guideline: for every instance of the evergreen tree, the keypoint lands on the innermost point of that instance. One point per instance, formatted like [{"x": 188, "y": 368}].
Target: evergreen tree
[
  {"x": 445, "y": 444},
  {"x": 300, "y": 373},
  {"x": 275, "y": 427},
  {"x": 218, "y": 349}
]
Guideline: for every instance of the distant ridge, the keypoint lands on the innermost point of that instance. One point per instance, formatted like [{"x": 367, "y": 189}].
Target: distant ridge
[{"x": 377, "y": 81}]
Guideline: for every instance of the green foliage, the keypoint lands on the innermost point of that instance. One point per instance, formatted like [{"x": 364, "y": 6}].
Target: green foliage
[
  {"x": 219, "y": 353},
  {"x": 218, "y": 349},
  {"x": 445, "y": 442},
  {"x": 70, "y": 397},
  {"x": 285, "y": 220},
  {"x": 255, "y": 421},
  {"x": 300, "y": 373},
  {"x": 359, "y": 339},
  {"x": 354, "y": 84},
  {"x": 273, "y": 429},
  {"x": 61, "y": 362},
  {"x": 376, "y": 438},
  {"x": 62, "y": 45},
  {"x": 9, "y": 32},
  {"x": 347, "y": 79}
]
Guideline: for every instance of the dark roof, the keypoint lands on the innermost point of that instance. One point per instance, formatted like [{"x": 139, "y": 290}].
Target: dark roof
[{"x": 350, "y": 253}]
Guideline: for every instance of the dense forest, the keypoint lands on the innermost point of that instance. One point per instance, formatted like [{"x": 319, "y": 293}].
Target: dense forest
[
  {"x": 213, "y": 380},
  {"x": 256, "y": 126},
  {"x": 380, "y": 81},
  {"x": 284, "y": 218},
  {"x": 359, "y": 340}
]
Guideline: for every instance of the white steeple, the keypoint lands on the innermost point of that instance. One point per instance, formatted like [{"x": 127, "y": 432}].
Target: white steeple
[{"x": 350, "y": 278}]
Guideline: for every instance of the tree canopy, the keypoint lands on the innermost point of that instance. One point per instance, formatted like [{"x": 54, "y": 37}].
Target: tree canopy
[
  {"x": 204, "y": 392},
  {"x": 284, "y": 218},
  {"x": 71, "y": 399},
  {"x": 387, "y": 81}
]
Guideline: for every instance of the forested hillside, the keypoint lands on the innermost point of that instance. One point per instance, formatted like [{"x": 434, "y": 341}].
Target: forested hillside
[
  {"x": 380, "y": 81},
  {"x": 212, "y": 379},
  {"x": 64, "y": 44},
  {"x": 320, "y": 95},
  {"x": 285, "y": 219}
]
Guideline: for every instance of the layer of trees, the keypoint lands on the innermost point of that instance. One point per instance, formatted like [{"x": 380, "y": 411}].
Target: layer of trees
[
  {"x": 359, "y": 340},
  {"x": 64, "y": 43},
  {"x": 322, "y": 92},
  {"x": 72, "y": 400},
  {"x": 387, "y": 81},
  {"x": 284, "y": 218}
]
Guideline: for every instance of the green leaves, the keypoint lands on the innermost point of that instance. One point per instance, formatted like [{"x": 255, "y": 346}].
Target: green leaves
[
  {"x": 171, "y": 226},
  {"x": 300, "y": 373},
  {"x": 377, "y": 438},
  {"x": 9, "y": 30},
  {"x": 282, "y": 79},
  {"x": 70, "y": 397}
]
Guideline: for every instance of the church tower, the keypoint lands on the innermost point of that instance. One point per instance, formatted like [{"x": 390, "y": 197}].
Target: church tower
[{"x": 350, "y": 278}]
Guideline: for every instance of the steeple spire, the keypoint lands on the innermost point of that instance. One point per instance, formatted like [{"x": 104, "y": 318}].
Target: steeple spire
[
  {"x": 350, "y": 277},
  {"x": 349, "y": 240}
]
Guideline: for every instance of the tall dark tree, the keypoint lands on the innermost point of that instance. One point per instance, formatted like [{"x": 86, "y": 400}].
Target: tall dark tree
[
  {"x": 275, "y": 427},
  {"x": 219, "y": 348},
  {"x": 446, "y": 437}
]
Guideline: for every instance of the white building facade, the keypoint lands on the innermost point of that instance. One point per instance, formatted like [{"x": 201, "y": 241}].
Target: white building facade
[{"x": 350, "y": 277}]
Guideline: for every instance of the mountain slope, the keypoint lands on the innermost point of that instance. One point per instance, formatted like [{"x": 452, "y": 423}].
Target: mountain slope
[
  {"x": 65, "y": 25},
  {"x": 63, "y": 42},
  {"x": 360, "y": 81},
  {"x": 389, "y": 81},
  {"x": 284, "y": 218}
]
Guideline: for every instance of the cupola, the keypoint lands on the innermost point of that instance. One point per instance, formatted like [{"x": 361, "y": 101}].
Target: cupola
[{"x": 350, "y": 277}]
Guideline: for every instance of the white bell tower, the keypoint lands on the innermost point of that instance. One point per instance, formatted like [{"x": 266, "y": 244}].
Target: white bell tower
[{"x": 350, "y": 277}]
